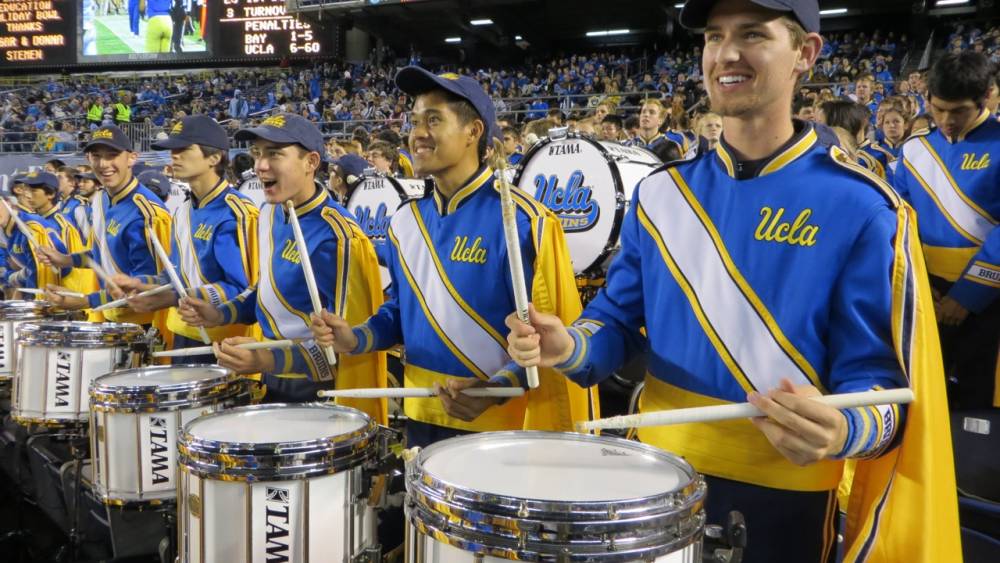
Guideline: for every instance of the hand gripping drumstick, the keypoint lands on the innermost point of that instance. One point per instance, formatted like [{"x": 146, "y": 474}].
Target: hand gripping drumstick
[
  {"x": 100, "y": 272},
  {"x": 23, "y": 227},
  {"x": 124, "y": 300},
  {"x": 174, "y": 278},
  {"x": 307, "y": 271},
  {"x": 199, "y": 350},
  {"x": 418, "y": 392},
  {"x": 744, "y": 410},
  {"x": 509, "y": 213}
]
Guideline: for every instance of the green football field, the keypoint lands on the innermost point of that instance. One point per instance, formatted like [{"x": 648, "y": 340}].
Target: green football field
[{"x": 115, "y": 38}]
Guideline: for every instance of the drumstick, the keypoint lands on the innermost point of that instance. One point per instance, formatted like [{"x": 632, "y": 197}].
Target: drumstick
[
  {"x": 307, "y": 271},
  {"x": 509, "y": 213},
  {"x": 124, "y": 300},
  {"x": 418, "y": 392},
  {"x": 199, "y": 350},
  {"x": 743, "y": 410},
  {"x": 101, "y": 273},
  {"x": 174, "y": 278},
  {"x": 32, "y": 291},
  {"x": 24, "y": 228}
]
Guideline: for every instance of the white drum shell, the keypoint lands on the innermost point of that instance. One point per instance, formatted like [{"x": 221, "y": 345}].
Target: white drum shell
[
  {"x": 51, "y": 383},
  {"x": 311, "y": 519},
  {"x": 8, "y": 348},
  {"x": 589, "y": 185}
]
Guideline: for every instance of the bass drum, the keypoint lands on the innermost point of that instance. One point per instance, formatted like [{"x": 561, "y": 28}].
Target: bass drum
[
  {"x": 589, "y": 185},
  {"x": 373, "y": 202}
]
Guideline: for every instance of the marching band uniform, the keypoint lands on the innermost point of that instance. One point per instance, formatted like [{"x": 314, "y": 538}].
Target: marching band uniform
[
  {"x": 78, "y": 279},
  {"x": 406, "y": 163},
  {"x": 32, "y": 273},
  {"x": 347, "y": 278},
  {"x": 873, "y": 159},
  {"x": 738, "y": 272},
  {"x": 952, "y": 185}
]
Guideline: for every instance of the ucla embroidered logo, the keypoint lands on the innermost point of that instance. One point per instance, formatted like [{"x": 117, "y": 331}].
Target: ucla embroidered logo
[
  {"x": 102, "y": 134},
  {"x": 376, "y": 225},
  {"x": 573, "y": 203},
  {"x": 449, "y": 76},
  {"x": 970, "y": 162},
  {"x": 277, "y": 121},
  {"x": 204, "y": 232},
  {"x": 177, "y": 128},
  {"x": 797, "y": 233},
  {"x": 462, "y": 252},
  {"x": 290, "y": 252},
  {"x": 18, "y": 248},
  {"x": 113, "y": 227}
]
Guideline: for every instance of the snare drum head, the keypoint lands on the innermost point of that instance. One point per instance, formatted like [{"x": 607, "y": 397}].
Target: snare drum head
[
  {"x": 274, "y": 424},
  {"x": 373, "y": 203},
  {"x": 162, "y": 376},
  {"x": 555, "y": 467}
]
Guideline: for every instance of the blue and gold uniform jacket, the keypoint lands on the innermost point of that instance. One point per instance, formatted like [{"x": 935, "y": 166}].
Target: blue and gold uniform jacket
[
  {"x": 638, "y": 141},
  {"x": 406, "y": 163},
  {"x": 25, "y": 270},
  {"x": 809, "y": 270},
  {"x": 214, "y": 250},
  {"x": 349, "y": 284},
  {"x": 76, "y": 208},
  {"x": 739, "y": 283},
  {"x": 452, "y": 291},
  {"x": 952, "y": 183},
  {"x": 120, "y": 227},
  {"x": 874, "y": 159}
]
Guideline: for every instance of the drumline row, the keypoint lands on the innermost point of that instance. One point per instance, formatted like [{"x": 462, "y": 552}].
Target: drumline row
[{"x": 303, "y": 482}]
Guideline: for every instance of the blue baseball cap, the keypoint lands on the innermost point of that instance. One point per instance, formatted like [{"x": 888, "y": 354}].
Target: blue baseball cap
[
  {"x": 352, "y": 165},
  {"x": 194, "y": 130},
  {"x": 415, "y": 81},
  {"x": 40, "y": 179},
  {"x": 155, "y": 181},
  {"x": 287, "y": 128},
  {"x": 111, "y": 136},
  {"x": 86, "y": 175},
  {"x": 694, "y": 14}
]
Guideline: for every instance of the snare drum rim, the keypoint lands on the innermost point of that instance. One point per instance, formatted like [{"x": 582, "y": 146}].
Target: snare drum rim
[
  {"x": 78, "y": 334},
  {"x": 153, "y": 398},
  {"x": 19, "y": 310},
  {"x": 681, "y": 499},
  {"x": 275, "y": 461},
  {"x": 619, "y": 186}
]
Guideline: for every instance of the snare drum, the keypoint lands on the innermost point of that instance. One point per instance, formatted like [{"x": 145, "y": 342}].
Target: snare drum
[
  {"x": 544, "y": 496},
  {"x": 57, "y": 360},
  {"x": 373, "y": 203},
  {"x": 589, "y": 185},
  {"x": 276, "y": 483},
  {"x": 135, "y": 416},
  {"x": 12, "y": 314}
]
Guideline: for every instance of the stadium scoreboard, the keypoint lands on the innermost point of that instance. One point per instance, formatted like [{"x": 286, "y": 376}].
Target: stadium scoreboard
[{"x": 63, "y": 33}]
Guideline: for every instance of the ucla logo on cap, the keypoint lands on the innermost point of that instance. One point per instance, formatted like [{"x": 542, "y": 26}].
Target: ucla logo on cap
[
  {"x": 33, "y": 174},
  {"x": 177, "y": 128},
  {"x": 449, "y": 76},
  {"x": 103, "y": 134},
  {"x": 277, "y": 121}
]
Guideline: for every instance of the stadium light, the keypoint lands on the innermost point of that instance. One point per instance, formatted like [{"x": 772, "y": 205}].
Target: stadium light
[
  {"x": 833, "y": 12},
  {"x": 484, "y": 21},
  {"x": 679, "y": 5},
  {"x": 940, "y": 3},
  {"x": 518, "y": 38},
  {"x": 452, "y": 39},
  {"x": 607, "y": 32}
]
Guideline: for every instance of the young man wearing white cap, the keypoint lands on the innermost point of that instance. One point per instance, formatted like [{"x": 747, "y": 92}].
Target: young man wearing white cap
[{"x": 773, "y": 269}]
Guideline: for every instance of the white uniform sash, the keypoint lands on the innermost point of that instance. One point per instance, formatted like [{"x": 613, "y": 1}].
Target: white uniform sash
[
  {"x": 972, "y": 221},
  {"x": 98, "y": 206},
  {"x": 728, "y": 309},
  {"x": 468, "y": 337},
  {"x": 290, "y": 323},
  {"x": 187, "y": 256}
]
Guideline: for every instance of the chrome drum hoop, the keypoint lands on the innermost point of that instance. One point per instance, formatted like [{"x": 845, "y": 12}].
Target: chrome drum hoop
[
  {"x": 23, "y": 310},
  {"x": 110, "y": 397},
  {"x": 79, "y": 334}
]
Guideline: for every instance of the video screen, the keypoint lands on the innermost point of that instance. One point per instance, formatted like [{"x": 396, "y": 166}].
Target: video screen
[{"x": 141, "y": 29}]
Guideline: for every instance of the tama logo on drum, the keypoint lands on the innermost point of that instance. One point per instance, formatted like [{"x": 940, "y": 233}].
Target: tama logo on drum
[
  {"x": 64, "y": 368},
  {"x": 574, "y": 204},
  {"x": 277, "y": 522},
  {"x": 564, "y": 149},
  {"x": 159, "y": 447},
  {"x": 375, "y": 226}
]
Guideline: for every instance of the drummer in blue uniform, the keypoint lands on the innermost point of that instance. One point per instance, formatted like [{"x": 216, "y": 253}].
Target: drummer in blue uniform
[
  {"x": 759, "y": 271},
  {"x": 26, "y": 268}
]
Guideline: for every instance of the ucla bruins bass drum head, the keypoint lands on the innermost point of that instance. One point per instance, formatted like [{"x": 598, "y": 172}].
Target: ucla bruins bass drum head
[
  {"x": 588, "y": 184},
  {"x": 373, "y": 203}
]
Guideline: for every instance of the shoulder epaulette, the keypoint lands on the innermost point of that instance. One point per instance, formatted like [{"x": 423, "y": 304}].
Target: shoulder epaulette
[
  {"x": 341, "y": 225},
  {"x": 840, "y": 157}
]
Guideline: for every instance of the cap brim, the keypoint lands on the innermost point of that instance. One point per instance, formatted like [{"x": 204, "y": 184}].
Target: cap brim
[
  {"x": 267, "y": 133},
  {"x": 694, "y": 14},
  {"x": 171, "y": 143},
  {"x": 414, "y": 81}
]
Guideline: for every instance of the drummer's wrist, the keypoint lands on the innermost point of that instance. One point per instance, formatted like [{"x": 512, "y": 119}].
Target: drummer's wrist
[{"x": 573, "y": 355}]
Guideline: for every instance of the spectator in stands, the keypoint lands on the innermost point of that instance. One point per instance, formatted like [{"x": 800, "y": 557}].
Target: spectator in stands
[
  {"x": 803, "y": 109},
  {"x": 512, "y": 145},
  {"x": 384, "y": 158}
]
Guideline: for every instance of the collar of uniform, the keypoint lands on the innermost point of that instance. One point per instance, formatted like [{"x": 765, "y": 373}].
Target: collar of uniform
[
  {"x": 983, "y": 116},
  {"x": 124, "y": 192},
  {"x": 21, "y": 207},
  {"x": 800, "y": 143},
  {"x": 446, "y": 206},
  {"x": 50, "y": 212},
  {"x": 650, "y": 141},
  {"x": 317, "y": 199},
  {"x": 81, "y": 198},
  {"x": 214, "y": 193}
]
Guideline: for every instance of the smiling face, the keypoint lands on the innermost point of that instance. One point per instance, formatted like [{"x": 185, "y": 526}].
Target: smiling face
[
  {"x": 751, "y": 61},
  {"x": 286, "y": 171},
  {"x": 112, "y": 166},
  {"x": 439, "y": 139}
]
